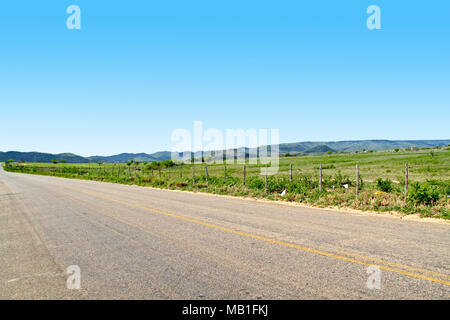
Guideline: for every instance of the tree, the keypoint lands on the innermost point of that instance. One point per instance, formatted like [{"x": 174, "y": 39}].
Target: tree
[
  {"x": 63, "y": 161},
  {"x": 396, "y": 149},
  {"x": 54, "y": 161},
  {"x": 100, "y": 163},
  {"x": 169, "y": 163}
]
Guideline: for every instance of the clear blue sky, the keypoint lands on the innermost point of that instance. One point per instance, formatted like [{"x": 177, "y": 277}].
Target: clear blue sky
[{"x": 137, "y": 70}]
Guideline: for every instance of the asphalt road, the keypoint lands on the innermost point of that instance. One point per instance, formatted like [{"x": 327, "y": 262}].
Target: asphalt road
[{"x": 142, "y": 243}]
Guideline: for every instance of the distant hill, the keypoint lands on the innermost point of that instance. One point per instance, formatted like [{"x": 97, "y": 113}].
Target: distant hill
[
  {"x": 320, "y": 149},
  {"x": 140, "y": 157},
  {"x": 361, "y": 145},
  {"x": 41, "y": 157},
  {"x": 310, "y": 147}
]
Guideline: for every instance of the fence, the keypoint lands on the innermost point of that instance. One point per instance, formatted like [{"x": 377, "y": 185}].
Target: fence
[{"x": 203, "y": 176}]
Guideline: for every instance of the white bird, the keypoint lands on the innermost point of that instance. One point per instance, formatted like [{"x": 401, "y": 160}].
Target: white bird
[{"x": 283, "y": 193}]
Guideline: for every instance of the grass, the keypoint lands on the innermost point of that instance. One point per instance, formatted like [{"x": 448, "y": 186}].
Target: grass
[{"x": 431, "y": 172}]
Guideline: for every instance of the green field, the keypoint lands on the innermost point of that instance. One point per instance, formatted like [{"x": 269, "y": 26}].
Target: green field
[{"x": 429, "y": 179}]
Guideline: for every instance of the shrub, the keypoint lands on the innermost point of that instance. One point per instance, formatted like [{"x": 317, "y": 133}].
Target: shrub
[
  {"x": 229, "y": 181},
  {"x": 160, "y": 164},
  {"x": 256, "y": 183},
  {"x": 330, "y": 166},
  {"x": 422, "y": 194},
  {"x": 384, "y": 185},
  {"x": 170, "y": 163},
  {"x": 442, "y": 185},
  {"x": 340, "y": 179}
]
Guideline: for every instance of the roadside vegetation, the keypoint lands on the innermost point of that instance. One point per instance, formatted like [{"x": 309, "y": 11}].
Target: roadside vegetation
[{"x": 381, "y": 185}]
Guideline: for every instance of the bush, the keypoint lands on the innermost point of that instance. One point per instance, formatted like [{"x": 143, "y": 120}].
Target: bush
[
  {"x": 384, "y": 185},
  {"x": 339, "y": 180},
  {"x": 422, "y": 194},
  {"x": 256, "y": 183},
  {"x": 442, "y": 185},
  {"x": 160, "y": 164}
]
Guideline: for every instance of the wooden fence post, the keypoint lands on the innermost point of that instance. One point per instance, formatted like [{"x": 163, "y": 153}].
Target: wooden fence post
[
  {"x": 320, "y": 177},
  {"x": 206, "y": 172},
  {"x": 193, "y": 175},
  {"x": 169, "y": 173},
  {"x": 357, "y": 179},
  {"x": 290, "y": 172},
  {"x": 266, "y": 180},
  {"x": 181, "y": 172},
  {"x": 406, "y": 179},
  {"x": 244, "y": 174}
]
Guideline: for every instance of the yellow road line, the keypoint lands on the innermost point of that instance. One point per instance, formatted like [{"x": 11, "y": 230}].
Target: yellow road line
[
  {"x": 395, "y": 264},
  {"x": 285, "y": 244}
]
